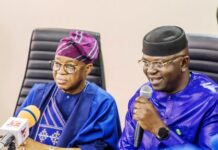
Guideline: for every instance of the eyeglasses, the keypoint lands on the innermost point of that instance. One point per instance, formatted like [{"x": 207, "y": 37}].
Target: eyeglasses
[
  {"x": 157, "y": 64},
  {"x": 68, "y": 68}
]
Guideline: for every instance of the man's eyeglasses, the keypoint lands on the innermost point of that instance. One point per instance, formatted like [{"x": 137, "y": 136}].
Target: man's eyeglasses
[
  {"x": 157, "y": 64},
  {"x": 68, "y": 68}
]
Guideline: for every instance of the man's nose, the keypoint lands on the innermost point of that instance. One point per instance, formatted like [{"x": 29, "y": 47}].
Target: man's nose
[{"x": 151, "y": 69}]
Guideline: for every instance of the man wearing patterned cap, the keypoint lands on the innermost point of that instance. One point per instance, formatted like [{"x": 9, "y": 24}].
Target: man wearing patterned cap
[
  {"x": 182, "y": 108},
  {"x": 75, "y": 112}
]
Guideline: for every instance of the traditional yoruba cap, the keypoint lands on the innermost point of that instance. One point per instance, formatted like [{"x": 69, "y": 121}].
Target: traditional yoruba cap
[
  {"x": 79, "y": 45},
  {"x": 164, "y": 41}
]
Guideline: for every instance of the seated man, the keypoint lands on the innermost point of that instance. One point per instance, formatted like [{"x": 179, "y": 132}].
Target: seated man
[
  {"x": 74, "y": 112},
  {"x": 183, "y": 107}
]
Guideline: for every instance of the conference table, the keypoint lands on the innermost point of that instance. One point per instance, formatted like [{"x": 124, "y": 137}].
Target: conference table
[{"x": 30, "y": 144}]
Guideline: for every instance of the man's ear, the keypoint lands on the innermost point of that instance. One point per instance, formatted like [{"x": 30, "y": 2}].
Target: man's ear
[
  {"x": 89, "y": 68},
  {"x": 185, "y": 63}
]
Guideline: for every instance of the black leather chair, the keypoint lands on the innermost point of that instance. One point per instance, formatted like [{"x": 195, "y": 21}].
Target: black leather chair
[
  {"x": 204, "y": 54},
  {"x": 42, "y": 49}
]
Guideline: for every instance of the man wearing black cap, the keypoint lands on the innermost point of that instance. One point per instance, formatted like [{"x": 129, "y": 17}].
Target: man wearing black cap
[{"x": 183, "y": 106}]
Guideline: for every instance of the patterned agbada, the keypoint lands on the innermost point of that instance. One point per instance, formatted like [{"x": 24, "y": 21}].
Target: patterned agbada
[
  {"x": 51, "y": 123},
  {"x": 191, "y": 115},
  {"x": 88, "y": 120}
]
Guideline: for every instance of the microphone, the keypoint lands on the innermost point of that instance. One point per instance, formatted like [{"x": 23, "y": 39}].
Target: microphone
[
  {"x": 145, "y": 91},
  {"x": 17, "y": 128}
]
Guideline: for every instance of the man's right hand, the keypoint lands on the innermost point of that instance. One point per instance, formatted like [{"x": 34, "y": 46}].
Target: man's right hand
[{"x": 147, "y": 116}]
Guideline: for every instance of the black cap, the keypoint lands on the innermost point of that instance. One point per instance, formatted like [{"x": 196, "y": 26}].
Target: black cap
[{"x": 164, "y": 41}]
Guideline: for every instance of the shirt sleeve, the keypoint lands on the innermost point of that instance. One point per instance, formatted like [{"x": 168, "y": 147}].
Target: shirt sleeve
[
  {"x": 102, "y": 129},
  {"x": 126, "y": 141},
  {"x": 209, "y": 127}
]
